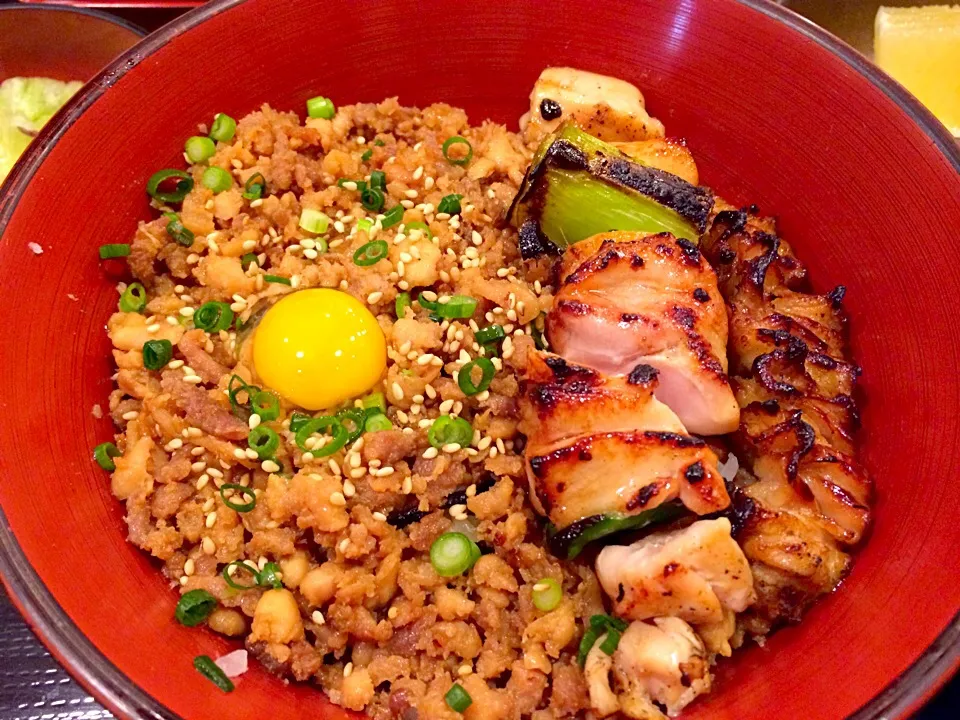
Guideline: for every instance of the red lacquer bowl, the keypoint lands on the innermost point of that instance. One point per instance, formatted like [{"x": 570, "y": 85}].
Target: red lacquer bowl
[{"x": 777, "y": 113}]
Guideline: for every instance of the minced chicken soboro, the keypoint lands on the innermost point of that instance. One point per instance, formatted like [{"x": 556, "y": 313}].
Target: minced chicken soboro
[{"x": 360, "y": 609}]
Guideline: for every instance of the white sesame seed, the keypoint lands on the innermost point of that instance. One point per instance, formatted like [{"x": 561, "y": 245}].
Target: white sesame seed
[
  {"x": 211, "y": 519},
  {"x": 254, "y": 421},
  {"x": 269, "y": 466},
  {"x": 317, "y": 617},
  {"x": 407, "y": 487},
  {"x": 349, "y": 185},
  {"x": 348, "y": 669},
  {"x": 208, "y": 546},
  {"x": 471, "y": 491},
  {"x": 198, "y": 466},
  {"x": 411, "y": 193},
  {"x": 344, "y": 544},
  {"x": 183, "y": 579},
  {"x": 397, "y": 391},
  {"x": 197, "y": 451},
  {"x": 334, "y": 466},
  {"x": 338, "y": 499},
  {"x": 192, "y": 379},
  {"x": 374, "y": 297},
  {"x": 202, "y": 482},
  {"x": 174, "y": 444},
  {"x": 187, "y": 311},
  {"x": 349, "y": 489},
  {"x": 451, "y": 447},
  {"x": 425, "y": 359},
  {"x": 250, "y": 453},
  {"x": 445, "y": 406},
  {"x": 379, "y": 516},
  {"x": 464, "y": 670},
  {"x": 130, "y": 415},
  {"x": 358, "y": 473}
]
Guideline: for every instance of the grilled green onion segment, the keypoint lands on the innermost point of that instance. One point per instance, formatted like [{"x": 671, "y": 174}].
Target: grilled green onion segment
[{"x": 578, "y": 186}]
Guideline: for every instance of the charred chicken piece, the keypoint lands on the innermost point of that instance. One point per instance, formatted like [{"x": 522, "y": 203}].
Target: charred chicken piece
[
  {"x": 695, "y": 573},
  {"x": 600, "y": 445},
  {"x": 609, "y": 108},
  {"x": 794, "y": 382},
  {"x": 628, "y": 298}
]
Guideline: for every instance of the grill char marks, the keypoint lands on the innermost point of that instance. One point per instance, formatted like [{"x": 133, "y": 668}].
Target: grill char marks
[{"x": 794, "y": 381}]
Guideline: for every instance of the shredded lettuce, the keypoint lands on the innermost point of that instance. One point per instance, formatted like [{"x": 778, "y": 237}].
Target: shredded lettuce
[{"x": 26, "y": 104}]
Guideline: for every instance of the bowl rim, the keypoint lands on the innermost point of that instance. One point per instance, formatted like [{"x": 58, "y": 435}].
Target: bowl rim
[
  {"x": 108, "y": 684},
  {"x": 79, "y": 10}
]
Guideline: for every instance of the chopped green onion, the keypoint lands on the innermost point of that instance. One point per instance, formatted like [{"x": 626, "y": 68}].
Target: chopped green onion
[
  {"x": 371, "y": 253},
  {"x": 104, "y": 453},
  {"x": 254, "y": 186},
  {"x": 183, "y": 186},
  {"x": 372, "y": 199},
  {"x": 325, "y": 422},
  {"x": 224, "y": 127},
  {"x": 607, "y": 621},
  {"x": 447, "y": 429},
  {"x": 457, "y": 140},
  {"x": 378, "y": 179},
  {"x": 366, "y": 156},
  {"x": 377, "y": 422},
  {"x": 236, "y": 386},
  {"x": 392, "y": 217},
  {"x": 610, "y": 642},
  {"x": 211, "y": 671},
  {"x": 194, "y": 607},
  {"x": 379, "y": 143},
  {"x": 157, "y": 353},
  {"x": 418, "y": 225},
  {"x": 375, "y": 400},
  {"x": 247, "y": 260},
  {"x": 430, "y": 305},
  {"x": 266, "y": 404},
  {"x": 547, "y": 594},
  {"x": 321, "y": 107},
  {"x": 276, "y": 279},
  {"x": 244, "y": 491},
  {"x": 270, "y": 575},
  {"x": 401, "y": 304},
  {"x": 114, "y": 250},
  {"x": 213, "y": 316},
  {"x": 216, "y": 179},
  {"x": 453, "y": 553},
  {"x": 134, "y": 298},
  {"x": 450, "y": 204},
  {"x": 263, "y": 441},
  {"x": 320, "y": 245},
  {"x": 491, "y": 333},
  {"x": 352, "y": 421},
  {"x": 298, "y": 420},
  {"x": 465, "y": 376},
  {"x": 199, "y": 149},
  {"x": 458, "y": 307},
  {"x": 365, "y": 224},
  {"x": 177, "y": 231},
  {"x": 587, "y": 642},
  {"x": 239, "y": 565},
  {"x": 314, "y": 221},
  {"x": 600, "y": 624},
  {"x": 458, "y": 699}
]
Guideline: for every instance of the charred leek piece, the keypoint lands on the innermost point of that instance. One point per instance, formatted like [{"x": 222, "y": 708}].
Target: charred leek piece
[
  {"x": 578, "y": 186},
  {"x": 571, "y": 541}
]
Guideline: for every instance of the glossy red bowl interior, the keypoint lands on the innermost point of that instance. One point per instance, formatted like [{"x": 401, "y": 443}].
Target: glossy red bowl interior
[
  {"x": 58, "y": 42},
  {"x": 777, "y": 113}
]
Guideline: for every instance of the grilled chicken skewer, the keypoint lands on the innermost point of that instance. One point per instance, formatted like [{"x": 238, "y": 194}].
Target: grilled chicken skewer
[{"x": 794, "y": 382}]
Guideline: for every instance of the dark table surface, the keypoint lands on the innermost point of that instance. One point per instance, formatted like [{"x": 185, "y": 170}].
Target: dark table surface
[{"x": 33, "y": 686}]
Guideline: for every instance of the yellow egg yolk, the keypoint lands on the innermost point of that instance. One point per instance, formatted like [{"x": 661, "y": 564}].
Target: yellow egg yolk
[{"x": 318, "y": 348}]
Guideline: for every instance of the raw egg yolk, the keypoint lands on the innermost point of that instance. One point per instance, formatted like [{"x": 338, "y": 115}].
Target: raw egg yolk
[{"x": 318, "y": 348}]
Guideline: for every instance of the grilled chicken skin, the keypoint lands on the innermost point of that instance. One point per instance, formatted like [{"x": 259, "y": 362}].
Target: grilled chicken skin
[
  {"x": 658, "y": 665},
  {"x": 601, "y": 444},
  {"x": 603, "y": 106},
  {"x": 695, "y": 574},
  {"x": 630, "y": 298},
  {"x": 794, "y": 382}
]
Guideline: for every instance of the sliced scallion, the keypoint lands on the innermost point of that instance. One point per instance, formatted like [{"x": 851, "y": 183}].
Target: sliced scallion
[
  {"x": 457, "y": 158},
  {"x": 372, "y": 199},
  {"x": 325, "y": 423},
  {"x": 194, "y": 607},
  {"x": 391, "y": 217},
  {"x": 104, "y": 453},
  {"x": 378, "y": 179},
  {"x": 448, "y": 429},
  {"x": 458, "y": 699},
  {"x": 266, "y": 404},
  {"x": 157, "y": 353},
  {"x": 401, "y": 304},
  {"x": 213, "y": 316},
  {"x": 277, "y": 279},
  {"x": 298, "y": 420},
  {"x": 450, "y": 204},
  {"x": 263, "y": 441},
  {"x": 453, "y": 553},
  {"x": 199, "y": 149},
  {"x": 224, "y": 127},
  {"x": 547, "y": 594},
  {"x": 212, "y": 672},
  {"x": 246, "y": 492},
  {"x": 459, "y": 307},
  {"x": 216, "y": 179},
  {"x": 134, "y": 298},
  {"x": 352, "y": 420},
  {"x": 371, "y": 253},
  {"x": 489, "y": 334},
  {"x": 114, "y": 250},
  {"x": 240, "y": 565},
  {"x": 269, "y": 576},
  {"x": 254, "y": 186},
  {"x": 377, "y": 422},
  {"x": 465, "y": 378},
  {"x": 418, "y": 225},
  {"x": 176, "y": 230},
  {"x": 183, "y": 185},
  {"x": 314, "y": 221},
  {"x": 321, "y": 107}
]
